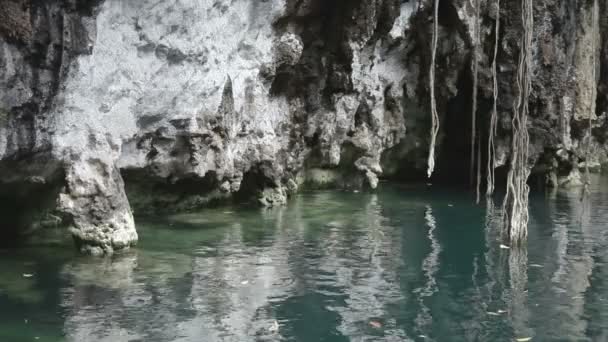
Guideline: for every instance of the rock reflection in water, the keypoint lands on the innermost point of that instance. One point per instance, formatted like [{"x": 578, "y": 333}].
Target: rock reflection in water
[
  {"x": 231, "y": 290},
  {"x": 366, "y": 276},
  {"x": 330, "y": 266},
  {"x": 129, "y": 297},
  {"x": 571, "y": 254}
]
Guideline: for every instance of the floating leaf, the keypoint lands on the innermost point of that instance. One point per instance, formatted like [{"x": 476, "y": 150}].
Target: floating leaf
[
  {"x": 375, "y": 324},
  {"x": 274, "y": 327}
]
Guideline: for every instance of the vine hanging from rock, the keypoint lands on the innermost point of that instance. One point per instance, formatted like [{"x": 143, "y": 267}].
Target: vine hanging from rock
[
  {"x": 490, "y": 180},
  {"x": 434, "y": 115},
  {"x": 515, "y": 204},
  {"x": 475, "y": 71}
]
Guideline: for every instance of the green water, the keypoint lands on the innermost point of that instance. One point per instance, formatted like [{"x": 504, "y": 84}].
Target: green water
[{"x": 405, "y": 263}]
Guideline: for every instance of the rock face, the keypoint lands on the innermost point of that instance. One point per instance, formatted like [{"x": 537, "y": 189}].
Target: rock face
[{"x": 195, "y": 101}]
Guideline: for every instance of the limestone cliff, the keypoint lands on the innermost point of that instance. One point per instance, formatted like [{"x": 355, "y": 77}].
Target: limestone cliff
[{"x": 192, "y": 101}]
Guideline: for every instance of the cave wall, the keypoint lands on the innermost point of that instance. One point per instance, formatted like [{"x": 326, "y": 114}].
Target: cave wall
[{"x": 259, "y": 98}]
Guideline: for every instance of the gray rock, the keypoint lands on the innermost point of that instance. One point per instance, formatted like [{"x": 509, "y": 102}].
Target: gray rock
[{"x": 205, "y": 100}]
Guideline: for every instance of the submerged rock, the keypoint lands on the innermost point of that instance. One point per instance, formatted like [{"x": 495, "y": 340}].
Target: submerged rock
[{"x": 193, "y": 102}]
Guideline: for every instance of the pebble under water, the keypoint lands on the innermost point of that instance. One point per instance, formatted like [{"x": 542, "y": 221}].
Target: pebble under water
[{"x": 402, "y": 264}]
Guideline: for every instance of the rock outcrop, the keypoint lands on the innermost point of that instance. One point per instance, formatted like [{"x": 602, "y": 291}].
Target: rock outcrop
[{"x": 189, "y": 102}]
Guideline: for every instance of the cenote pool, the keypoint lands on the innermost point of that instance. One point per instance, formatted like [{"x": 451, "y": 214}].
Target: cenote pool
[{"x": 403, "y": 264}]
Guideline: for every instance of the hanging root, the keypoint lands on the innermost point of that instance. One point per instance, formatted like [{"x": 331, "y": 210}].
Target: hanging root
[
  {"x": 515, "y": 205},
  {"x": 477, "y": 191},
  {"x": 595, "y": 23},
  {"x": 493, "y": 118},
  {"x": 475, "y": 68},
  {"x": 434, "y": 115}
]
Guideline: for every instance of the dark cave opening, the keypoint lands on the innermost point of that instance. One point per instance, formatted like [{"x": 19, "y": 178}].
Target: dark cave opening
[
  {"x": 448, "y": 15},
  {"x": 453, "y": 150},
  {"x": 11, "y": 224},
  {"x": 254, "y": 181},
  {"x": 454, "y": 155},
  {"x": 150, "y": 194},
  {"x": 25, "y": 208},
  {"x": 453, "y": 158}
]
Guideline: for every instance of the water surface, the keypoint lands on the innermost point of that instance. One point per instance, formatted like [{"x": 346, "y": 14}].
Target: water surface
[{"x": 401, "y": 264}]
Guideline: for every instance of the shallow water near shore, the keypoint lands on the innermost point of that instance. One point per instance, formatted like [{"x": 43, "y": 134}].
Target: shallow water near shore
[{"x": 404, "y": 263}]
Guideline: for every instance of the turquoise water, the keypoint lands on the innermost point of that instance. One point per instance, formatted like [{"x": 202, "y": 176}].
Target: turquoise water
[{"x": 404, "y": 263}]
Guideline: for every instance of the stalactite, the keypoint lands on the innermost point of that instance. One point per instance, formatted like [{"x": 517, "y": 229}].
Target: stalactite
[
  {"x": 493, "y": 118},
  {"x": 434, "y": 115},
  {"x": 515, "y": 205},
  {"x": 475, "y": 67}
]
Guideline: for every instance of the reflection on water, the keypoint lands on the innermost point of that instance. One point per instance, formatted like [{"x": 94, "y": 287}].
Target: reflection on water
[
  {"x": 429, "y": 267},
  {"x": 404, "y": 264}
]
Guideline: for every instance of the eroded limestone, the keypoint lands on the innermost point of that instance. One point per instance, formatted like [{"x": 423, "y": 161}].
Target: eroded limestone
[{"x": 260, "y": 98}]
